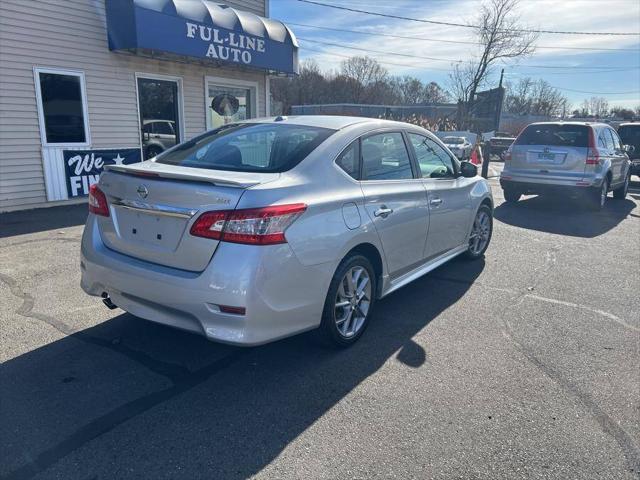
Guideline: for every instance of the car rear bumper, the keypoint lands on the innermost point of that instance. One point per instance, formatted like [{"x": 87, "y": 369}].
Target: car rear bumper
[
  {"x": 281, "y": 296},
  {"x": 533, "y": 188}
]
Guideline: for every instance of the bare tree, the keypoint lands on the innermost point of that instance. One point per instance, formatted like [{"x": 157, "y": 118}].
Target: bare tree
[
  {"x": 596, "y": 106},
  {"x": 531, "y": 97},
  {"x": 408, "y": 90},
  {"x": 434, "y": 93},
  {"x": 501, "y": 36},
  {"x": 367, "y": 74}
]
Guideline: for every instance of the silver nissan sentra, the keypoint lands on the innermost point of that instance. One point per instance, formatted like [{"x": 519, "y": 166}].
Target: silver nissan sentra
[{"x": 266, "y": 228}]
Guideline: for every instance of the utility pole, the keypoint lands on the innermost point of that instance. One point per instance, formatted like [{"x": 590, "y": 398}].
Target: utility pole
[{"x": 486, "y": 158}]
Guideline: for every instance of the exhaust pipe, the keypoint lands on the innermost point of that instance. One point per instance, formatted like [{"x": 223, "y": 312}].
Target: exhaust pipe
[{"x": 107, "y": 301}]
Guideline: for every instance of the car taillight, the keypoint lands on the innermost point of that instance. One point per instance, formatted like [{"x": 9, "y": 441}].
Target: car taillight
[
  {"x": 506, "y": 156},
  {"x": 98, "y": 201},
  {"x": 253, "y": 226},
  {"x": 593, "y": 155}
]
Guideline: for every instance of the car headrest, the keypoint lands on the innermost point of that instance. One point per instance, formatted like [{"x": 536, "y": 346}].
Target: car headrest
[
  {"x": 228, "y": 155},
  {"x": 372, "y": 155}
]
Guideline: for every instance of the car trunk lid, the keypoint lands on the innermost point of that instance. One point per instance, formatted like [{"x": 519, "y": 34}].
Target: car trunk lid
[{"x": 153, "y": 206}]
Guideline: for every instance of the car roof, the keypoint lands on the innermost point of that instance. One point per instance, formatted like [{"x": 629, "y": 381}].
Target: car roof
[
  {"x": 585, "y": 124},
  {"x": 335, "y": 122},
  {"x": 629, "y": 124}
]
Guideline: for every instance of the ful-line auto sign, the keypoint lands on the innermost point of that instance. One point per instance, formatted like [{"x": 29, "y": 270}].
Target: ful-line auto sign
[{"x": 230, "y": 46}]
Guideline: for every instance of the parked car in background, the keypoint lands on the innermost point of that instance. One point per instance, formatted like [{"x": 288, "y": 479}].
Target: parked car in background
[
  {"x": 459, "y": 146},
  {"x": 266, "y": 228},
  {"x": 500, "y": 142},
  {"x": 630, "y": 135},
  {"x": 157, "y": 136},
  {"x": 567, "y": 158}
]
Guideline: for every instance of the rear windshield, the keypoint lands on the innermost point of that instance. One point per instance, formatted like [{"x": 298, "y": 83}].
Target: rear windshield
[
  {"x": 248, "y": 147},
  {"x": 630, "y": 134},
  {"x": 555, "y": 135},
  {"x": 453, "y": 140}
]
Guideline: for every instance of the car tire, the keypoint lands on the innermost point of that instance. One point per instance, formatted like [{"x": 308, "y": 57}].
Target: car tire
[
  {"x": 598, "y": 196},
  {"x": 340, "y": 328},
  {"x": 481, "y": 233},
  {"x": 620, "y": 193},
  {"x": 511, "y": 195}
]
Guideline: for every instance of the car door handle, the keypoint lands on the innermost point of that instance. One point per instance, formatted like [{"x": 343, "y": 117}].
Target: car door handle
[
  {"x": 383, "y": 212},
  {"x": 435, "y": 201}
]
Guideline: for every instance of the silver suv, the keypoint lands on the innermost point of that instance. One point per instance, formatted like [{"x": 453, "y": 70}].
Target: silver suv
[
  {"x": 569, "y": 158},
  {"x": 263, "y": 229}
]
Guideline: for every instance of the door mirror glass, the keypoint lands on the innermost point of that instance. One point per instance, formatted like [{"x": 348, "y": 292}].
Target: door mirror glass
[{"x": 468, "y": 170}]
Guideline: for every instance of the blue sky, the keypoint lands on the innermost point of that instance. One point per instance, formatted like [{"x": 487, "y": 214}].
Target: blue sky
[{"x": 576, "y": 67}]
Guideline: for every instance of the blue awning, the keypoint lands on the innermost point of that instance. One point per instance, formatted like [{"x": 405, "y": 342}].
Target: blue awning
[{"x": 204, "y": 30}]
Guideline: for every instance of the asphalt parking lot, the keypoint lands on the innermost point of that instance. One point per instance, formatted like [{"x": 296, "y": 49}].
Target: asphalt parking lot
[{"x": 523, "y": 365}]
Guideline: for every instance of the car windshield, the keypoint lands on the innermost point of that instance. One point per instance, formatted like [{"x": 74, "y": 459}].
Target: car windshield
[
  {"x": 453, "y": 140},
  {"x": 630, "y": 134},
  {"x": 555, "y": 135},
  {"x": 248, "y": 147}
]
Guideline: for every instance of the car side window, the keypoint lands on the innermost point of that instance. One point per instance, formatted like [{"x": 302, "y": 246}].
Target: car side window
[
  {"x": 385, "y": 157},
  {"x": 602, "y": 142},
  {"x": 608, "y": 139},
  {"x": 433, "y": 160},
  {"x": 617, "y": 144},
  {"x": 349, "y": 160}
]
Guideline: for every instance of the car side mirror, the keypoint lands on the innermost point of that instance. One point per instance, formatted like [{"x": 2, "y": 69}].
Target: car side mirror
[
  {"x": 468, "y": 170},
  {"x": 629, "y": 148}
]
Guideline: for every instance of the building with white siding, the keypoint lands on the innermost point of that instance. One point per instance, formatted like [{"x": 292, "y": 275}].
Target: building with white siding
[{"x": 90, "y": 82}]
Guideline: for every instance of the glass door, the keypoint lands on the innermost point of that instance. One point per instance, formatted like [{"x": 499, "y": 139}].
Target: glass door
[
  {"x": 226, "y": 104},
  {"x": 158, "y": 102}
]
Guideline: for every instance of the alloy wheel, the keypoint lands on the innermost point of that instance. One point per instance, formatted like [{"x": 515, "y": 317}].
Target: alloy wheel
[
  {"x": 480, "y": 233},
  {"x": 352, "y": 301}
]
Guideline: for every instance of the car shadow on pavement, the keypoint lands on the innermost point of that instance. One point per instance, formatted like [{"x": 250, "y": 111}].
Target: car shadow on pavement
[
  {"x": 129, "y": 398},
  {"x": 564, "y": 216},
  {"x": 42, "y": 219}
]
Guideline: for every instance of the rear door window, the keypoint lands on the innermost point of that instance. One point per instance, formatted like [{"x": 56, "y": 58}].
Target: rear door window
[
  {"x": 555, "y": 135},
  {"x": 385, "y": 157},
  {"x": 616, "y": 140}
]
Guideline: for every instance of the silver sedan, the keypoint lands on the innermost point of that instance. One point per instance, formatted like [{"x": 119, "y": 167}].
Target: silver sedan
[{"x": 267, "y": 228}]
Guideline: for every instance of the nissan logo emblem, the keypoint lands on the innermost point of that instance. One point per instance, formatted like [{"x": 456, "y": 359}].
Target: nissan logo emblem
[{"x": 142, "y": 191}]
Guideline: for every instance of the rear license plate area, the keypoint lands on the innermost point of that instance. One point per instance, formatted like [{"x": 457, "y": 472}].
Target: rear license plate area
[{"x": 160, "y": 231}]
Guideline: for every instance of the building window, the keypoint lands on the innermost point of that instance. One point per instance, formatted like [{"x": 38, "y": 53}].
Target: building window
[
  {"x": 62, "y": 107},
  {"x": 159, "y": 103},
  {"x": 230, "y": 101}
]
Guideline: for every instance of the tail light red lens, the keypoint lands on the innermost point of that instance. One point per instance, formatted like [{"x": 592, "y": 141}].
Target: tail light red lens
[
  {"x": 98, "y": 201},
  {"x": 593, "y": 155},
  {"x": 254, "y": 226},
  {"x": 210, "y": 225}
]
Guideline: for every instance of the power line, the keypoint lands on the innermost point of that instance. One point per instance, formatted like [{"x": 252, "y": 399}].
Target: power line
[
  {"x": 598, "y": 93},
  {"x": 422, "y": 67},
  {"x": 405, "y": 37},
  {"x": 442, "y": 69},
  {"x": 451, "y": 24},
  {"x": 449, "y": 60}
]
